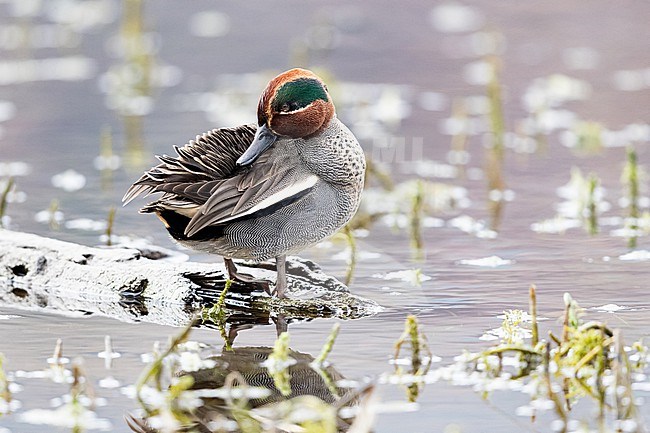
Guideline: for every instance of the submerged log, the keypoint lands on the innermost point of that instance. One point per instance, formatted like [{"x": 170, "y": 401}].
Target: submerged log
[{"x": 123, "y": 283}]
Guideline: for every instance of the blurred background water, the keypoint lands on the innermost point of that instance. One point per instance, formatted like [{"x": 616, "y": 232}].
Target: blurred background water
[{"x": 91, "y": 90}]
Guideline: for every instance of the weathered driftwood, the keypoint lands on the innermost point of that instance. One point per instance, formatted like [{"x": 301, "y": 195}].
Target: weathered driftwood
[{"x": 38, "y": 272}]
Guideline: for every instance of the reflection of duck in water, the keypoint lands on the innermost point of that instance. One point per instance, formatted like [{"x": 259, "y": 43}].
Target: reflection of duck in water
[{"x": 249, "y": 366}]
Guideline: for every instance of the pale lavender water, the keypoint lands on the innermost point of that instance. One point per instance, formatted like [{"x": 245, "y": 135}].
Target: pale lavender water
[{"x": 419, "y": 60}]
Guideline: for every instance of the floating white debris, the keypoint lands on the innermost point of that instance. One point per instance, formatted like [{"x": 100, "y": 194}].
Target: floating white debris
[
  {"x": 8, "y": 317},
  {"x": 82, "y": 16},
  {"x": 109, "y": 355},
  {"x": 557, "y": 425},
  {"x": 612, "y": 220},
  {"x": 555, "y": 119},
  {"x": 527, "y": 411},
  {"x": 554, "y": 90},
  {"x": 209, "y": 24},
  {"x": 453, "y": 17},
  {"x": 74, "y": 68},
  {"x": 115, "y": 239},
  {"x": 395, "y": 406},
  {"x": 85, "y": 224},
  {"x": 433, "y": 101},
  {"x": 641, "y": 386},
  {"x": 67, "y": 416},
  {"x": 458, "y": 157},
  {"x": 191, "y": 346},
  {"x": 69, "y": 180},
  {"x": 477, "y": 105},
  {"x": 109, "y": 382},
  {"x": 361, "y": 255},
  {"x": 543, "y": 404},
  {"x": 478, "y": 73},
  {"x": 555, "y": 225},
  {"x": 457, "y": 126},
  {"x": 429, "y": 168},
  {"x": 13, "y": 196},
  {"x": 192, "y": 361},
  {"x": 7, "y": 407},
  {"x": 518, "y": 334},
  {"x": 469, "y": 225},
  {"x": 581, "y": 58},
  {"x": 14, "y": 169},
  {"x": 610, "y": 308},
  {"x": 635, "y": 256},
  {"x": 47, "y": 216},
  {"x": 639, "y": 132},
  {"x": 112, "y": 162},
  {"x": 37, "y": 36},
  {"x": 7, "y": 110},
  {"x": 486, "y": 262},
  {"x": 481, "y": 44},
  {"x": 629, "y": 80},
  {"x": 402, "y": 221},
  {"x": 627, "y": 232},
  {"x": 36, "y": 374},
  {"x": 501, "y": 195},
  {"x": 147, "y": 358},
  {"x": 166, "y": 76},
  {"x": 249, "y": 393},
  {"x": 413, "y": 276}
]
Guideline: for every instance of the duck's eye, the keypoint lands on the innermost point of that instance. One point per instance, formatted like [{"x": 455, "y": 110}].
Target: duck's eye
[{"x": 285, "y": 108}]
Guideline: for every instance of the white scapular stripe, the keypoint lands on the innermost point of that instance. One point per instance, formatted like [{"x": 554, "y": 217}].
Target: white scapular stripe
[{"x": 285, "y": 193}]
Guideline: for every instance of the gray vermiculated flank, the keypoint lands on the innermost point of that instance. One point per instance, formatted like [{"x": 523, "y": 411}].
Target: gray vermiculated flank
[{"x": 204, "y": 176}]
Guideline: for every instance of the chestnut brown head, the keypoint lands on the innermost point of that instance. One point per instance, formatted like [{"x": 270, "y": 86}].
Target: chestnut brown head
[{"x": 295, "y": 104}]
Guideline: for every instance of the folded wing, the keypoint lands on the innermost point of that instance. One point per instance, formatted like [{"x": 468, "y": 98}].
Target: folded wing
[{"x": 204, "y": 184}]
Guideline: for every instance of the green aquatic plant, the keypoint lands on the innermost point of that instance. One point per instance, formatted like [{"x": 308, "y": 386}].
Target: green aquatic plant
[
  {"x": 532, "y": 306},
  {"x": 460, "y": 137},
  {"x": 155, "y": 374},
  {"x": 588, "y": 136},
  {"x": 110, "y": 222},
  {"x": 218, "y": 314},
  {"x": 328, "y": 346},
  {"x": 352, "y": 246},
  {"x": 587, "y": 361},
  {"x": 415, "y": 221},
  {"x": 5, "y": 391},
  {"x": 278, "y": 364},
  {"x": 630, "y": 179},
  {"x": 592, "y": 204},
  {"x": 420, "y": 359},
  {"x": 319, "y": 363},
  {"x": 495, "y": 154},
  {"x": 4, "y": 197},
  {"x": 52, "y": 212},
  {"x": 512, "y": 327},
  {"x": 132, "y": 78},
  {"x": 82, "y": 396},
  {"x": 375, "y": 172},
  {"x": 496, "y": 150}
]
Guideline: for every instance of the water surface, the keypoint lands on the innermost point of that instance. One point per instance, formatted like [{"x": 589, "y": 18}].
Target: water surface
[{"x": 396, "y": 72}]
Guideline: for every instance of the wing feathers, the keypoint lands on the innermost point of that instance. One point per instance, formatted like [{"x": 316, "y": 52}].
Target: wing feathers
[{"x": 204, "y": 183}]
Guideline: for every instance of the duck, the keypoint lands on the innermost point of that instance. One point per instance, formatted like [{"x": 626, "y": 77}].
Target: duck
[{"x": 261, "y": 191}]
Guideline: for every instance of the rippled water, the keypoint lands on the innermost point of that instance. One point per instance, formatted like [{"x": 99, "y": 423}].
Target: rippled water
[{"x": 399, "y": 76}]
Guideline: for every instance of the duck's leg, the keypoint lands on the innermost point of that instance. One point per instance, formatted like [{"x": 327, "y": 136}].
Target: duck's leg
[
  {"x": 235, "y": 275},
  {"x": 281, "y": 282}
]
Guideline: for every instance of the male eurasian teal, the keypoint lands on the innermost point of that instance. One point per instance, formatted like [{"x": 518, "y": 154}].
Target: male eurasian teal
[{"x": 261, "y": 192}]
